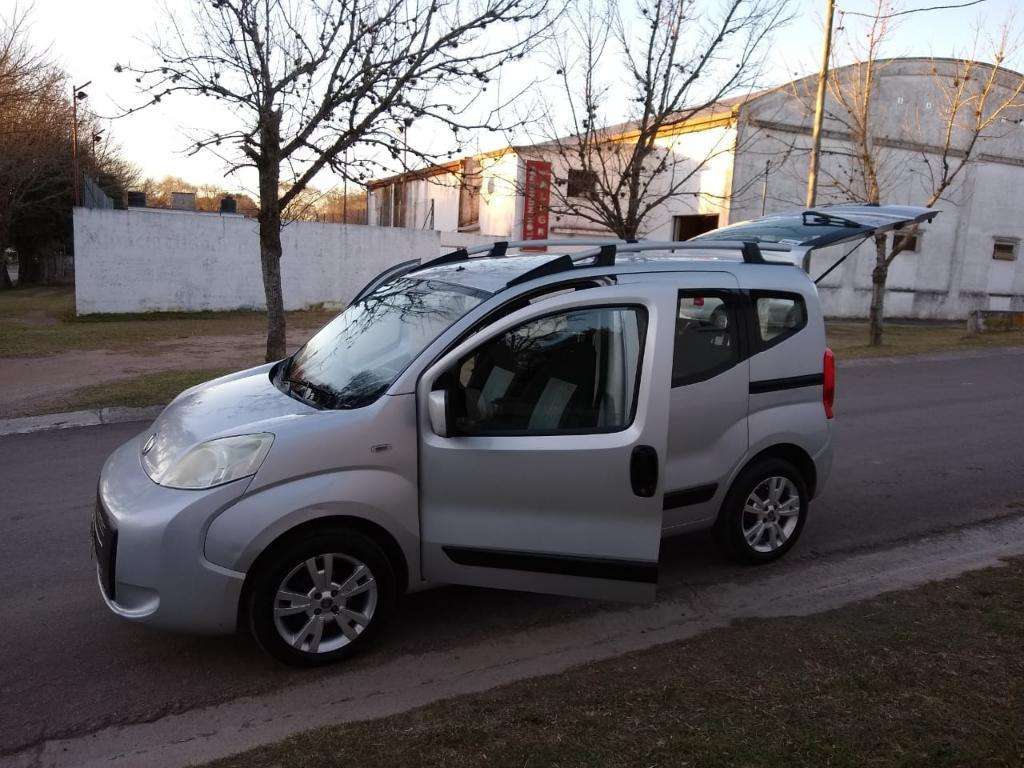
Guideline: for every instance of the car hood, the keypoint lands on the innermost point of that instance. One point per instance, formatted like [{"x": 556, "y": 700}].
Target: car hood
[{"x": 237, "y": 404}]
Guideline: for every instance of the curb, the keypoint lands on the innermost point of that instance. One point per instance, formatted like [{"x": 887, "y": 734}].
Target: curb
[{"x": 70, "y": 419}]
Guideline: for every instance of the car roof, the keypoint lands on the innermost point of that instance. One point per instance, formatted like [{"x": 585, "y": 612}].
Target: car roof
[{"x": 493, "y": 274}]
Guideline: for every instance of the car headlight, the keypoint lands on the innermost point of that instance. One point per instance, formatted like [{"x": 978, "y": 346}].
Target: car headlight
[{"x": 216, "y": 462}]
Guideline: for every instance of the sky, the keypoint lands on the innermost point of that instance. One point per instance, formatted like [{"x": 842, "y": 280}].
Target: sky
[{"x": 89, "y": 36}]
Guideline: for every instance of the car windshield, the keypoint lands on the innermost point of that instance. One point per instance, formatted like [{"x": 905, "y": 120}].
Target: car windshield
[{"x": 357, "y": 356}]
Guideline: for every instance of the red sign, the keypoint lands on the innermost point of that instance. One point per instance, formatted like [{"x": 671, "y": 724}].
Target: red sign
[{"x": 536, "y": 199}]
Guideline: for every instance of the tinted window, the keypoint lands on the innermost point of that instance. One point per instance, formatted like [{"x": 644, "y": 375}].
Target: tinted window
[
  {"x": 778, "y": 316},
  {"x": 706, "y": 338},
  {"x": 569, "y": 372}
]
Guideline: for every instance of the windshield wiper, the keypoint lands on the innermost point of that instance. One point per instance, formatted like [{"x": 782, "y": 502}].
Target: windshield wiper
[{"x": 324, "y": 396}]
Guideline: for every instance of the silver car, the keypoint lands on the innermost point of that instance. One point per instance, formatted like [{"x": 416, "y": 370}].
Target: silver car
[{"x": 498, "y": 417}]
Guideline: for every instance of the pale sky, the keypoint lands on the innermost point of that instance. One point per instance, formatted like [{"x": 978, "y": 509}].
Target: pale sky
[{"x": 89, "y": 36}]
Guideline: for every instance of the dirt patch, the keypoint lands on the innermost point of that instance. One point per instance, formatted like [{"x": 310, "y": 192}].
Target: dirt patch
[{"x": 49, "y": 384}]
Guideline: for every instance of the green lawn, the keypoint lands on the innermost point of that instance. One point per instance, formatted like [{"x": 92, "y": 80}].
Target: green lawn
[
  {"x": 42, "y": 321},
  {"x": 931, "y": 677}
]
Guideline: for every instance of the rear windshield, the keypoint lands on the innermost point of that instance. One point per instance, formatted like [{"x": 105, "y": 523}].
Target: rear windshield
[{"x": 358, "y": 355}]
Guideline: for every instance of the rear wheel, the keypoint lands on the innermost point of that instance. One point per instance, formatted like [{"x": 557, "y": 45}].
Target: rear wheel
[
  {"x": 764, "y": 512},
  {"x": 319, "y": 599}
]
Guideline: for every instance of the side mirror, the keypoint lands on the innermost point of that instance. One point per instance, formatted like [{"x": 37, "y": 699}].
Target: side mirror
[{"x": 437, "y": 409}]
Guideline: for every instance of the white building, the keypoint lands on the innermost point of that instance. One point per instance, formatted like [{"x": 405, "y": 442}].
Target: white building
[{"x": 758, "y": 148}]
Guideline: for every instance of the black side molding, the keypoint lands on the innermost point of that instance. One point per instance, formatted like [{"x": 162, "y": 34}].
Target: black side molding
[
  {"x": 689, "y": 496},
  {"x": 792, "y": 382},
  {"x": 562, "y": 565}
]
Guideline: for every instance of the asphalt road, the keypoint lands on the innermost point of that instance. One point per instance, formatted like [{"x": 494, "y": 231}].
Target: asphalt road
[{"x": 923, "y": 446}]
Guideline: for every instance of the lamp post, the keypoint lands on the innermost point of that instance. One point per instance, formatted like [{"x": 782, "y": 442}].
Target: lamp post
[{"x": 77, "y": 93}]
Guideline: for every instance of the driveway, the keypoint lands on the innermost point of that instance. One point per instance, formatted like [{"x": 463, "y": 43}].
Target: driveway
[{"x": 923, "y": 446}]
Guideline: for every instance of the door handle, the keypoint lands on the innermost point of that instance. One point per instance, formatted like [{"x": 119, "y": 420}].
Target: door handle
[{"x": 643, "y": 470}]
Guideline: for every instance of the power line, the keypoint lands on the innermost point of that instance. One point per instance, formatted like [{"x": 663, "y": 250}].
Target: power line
[{"x": 912, "y": 10}]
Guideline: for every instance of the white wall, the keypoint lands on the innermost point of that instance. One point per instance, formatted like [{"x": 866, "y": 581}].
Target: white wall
[
  {"x": 143, "y": 260},
  {"x": 954, "y": 272}
]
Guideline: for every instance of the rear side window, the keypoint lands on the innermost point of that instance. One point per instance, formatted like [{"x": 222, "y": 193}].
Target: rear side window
[
  {"x": 777, "y": 316},
  {"x": 707, "y": 342}
]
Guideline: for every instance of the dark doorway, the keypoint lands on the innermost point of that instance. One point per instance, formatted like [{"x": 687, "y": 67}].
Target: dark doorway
[{"x": 685, "y": 227}]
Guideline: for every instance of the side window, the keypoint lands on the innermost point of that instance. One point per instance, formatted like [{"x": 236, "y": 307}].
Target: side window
[
  {"x": 569, "y": 372},
  {"x": 707, "y": 342},
  {"x": 777, "y": 316}
]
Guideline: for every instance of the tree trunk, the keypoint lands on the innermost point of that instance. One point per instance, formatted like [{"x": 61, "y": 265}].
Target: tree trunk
[
  {"x": 879, "y": 275},
  {"x": 270, "y": 261}
]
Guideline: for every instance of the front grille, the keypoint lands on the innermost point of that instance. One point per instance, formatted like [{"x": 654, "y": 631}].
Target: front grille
[{"x": 104, "y": 546}]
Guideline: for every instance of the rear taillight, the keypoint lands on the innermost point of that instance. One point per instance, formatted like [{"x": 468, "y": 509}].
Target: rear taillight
[{"x": 828, "y": 389}]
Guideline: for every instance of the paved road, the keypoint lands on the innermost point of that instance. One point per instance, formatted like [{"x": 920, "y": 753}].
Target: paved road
[{"x": 923, "y": 446}]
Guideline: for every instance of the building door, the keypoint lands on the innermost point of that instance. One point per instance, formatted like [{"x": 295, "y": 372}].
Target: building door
[{"x": 691, "y": 225}]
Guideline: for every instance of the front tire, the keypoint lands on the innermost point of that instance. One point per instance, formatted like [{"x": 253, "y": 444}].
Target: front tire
[
  {"x": 320, "y": 598},
  {"x": 764, "y": 512}
]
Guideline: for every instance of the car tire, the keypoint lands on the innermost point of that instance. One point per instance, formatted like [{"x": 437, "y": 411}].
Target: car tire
[
  {"x": 306, "y": 611},
  {"x": 772, "y": 492}
]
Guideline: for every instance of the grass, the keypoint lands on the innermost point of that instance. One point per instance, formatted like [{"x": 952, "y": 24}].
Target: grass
[
  {"x": 41, "y": 321},
  {"x": 35, "y": 322},
  {"x": 849, "y": 340},
  {"x": 927, "y": 677},
  {"x": 138, "y": 391}
]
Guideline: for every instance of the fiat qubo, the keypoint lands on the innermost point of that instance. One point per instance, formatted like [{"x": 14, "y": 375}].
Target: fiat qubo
[{"x": 531, "y": 416}]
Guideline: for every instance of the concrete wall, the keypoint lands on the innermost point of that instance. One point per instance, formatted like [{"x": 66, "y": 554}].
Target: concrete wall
[{"x": 142, "y": 260}]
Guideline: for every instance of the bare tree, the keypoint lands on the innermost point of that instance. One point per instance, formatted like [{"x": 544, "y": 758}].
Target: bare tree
[
  {"x": 876, "y": 152},
  {"x": 307, "y": 81},
  {"x": 658, "y": 64},
  {"x": 35, "y": 153}
]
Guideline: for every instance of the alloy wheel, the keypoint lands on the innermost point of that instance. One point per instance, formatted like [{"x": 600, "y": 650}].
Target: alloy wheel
[
  {"x": 325, "y": 603},
  {"x": 771, "y": 513}
]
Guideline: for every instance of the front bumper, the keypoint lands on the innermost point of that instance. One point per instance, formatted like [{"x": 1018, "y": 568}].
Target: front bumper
[{"x": 148, "y": 542}]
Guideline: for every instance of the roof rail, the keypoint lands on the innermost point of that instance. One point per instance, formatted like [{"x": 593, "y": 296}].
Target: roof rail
[
  {"x": 604, "y": 256},
  {"x": 500, "y": 248}
]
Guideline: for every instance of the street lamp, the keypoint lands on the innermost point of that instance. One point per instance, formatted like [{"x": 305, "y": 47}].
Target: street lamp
[{"x": 77, "y": 94}]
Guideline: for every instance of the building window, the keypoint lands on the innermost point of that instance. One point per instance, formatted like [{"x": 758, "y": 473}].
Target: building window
[
  {"x": 685, "y": 227},
  {"x": 581, "y": 183},
  {"x": 1005, "y": 248},
  {"x": 912, "y": 244}
]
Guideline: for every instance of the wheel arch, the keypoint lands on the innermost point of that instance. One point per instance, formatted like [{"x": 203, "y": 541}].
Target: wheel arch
[
  {"x": 378, "y": 533},
  {"x": 792, "y": 453}
]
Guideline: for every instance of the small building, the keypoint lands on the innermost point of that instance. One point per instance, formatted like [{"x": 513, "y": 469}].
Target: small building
[{"x": 752, "y": 154}]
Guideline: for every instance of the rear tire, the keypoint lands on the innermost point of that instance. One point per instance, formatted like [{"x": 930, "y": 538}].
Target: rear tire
[
  {"x": 318, "y": 599},
  {"x": 764, "y": 512}
]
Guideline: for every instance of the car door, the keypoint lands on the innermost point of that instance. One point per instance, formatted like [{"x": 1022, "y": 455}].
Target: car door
[
  {"x": 544, "y": 473},
  {"x": 708, "y": 398}
]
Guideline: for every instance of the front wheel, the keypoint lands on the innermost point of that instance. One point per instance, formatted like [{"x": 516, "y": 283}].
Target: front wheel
[
  {"x": 318, "y": 599},
  {"x": 763, "y": 513}
]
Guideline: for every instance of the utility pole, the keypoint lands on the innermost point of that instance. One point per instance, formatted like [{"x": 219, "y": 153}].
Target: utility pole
[
  {"x": 76, "y": 182},
  {"x": 819, "y": 105},
  {"x": 764, "y": 186}
]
